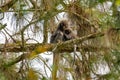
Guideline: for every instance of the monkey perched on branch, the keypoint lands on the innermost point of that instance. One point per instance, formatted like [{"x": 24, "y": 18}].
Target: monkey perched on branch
[
  {"x": 58, "y": 34},
  {"x": 62, "y": 33}
]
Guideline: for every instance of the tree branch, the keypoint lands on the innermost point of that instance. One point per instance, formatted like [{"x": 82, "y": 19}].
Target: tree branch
[
  {"x": 36, "y": 49},
  {"x": 61, "y": 47},
  {"x": 7, "y": 5}
]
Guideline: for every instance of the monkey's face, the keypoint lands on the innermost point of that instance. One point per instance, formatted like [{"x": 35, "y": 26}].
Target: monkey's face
[
  {"x": 68, "y": 34},
  {"x": 62, "y": 26}
]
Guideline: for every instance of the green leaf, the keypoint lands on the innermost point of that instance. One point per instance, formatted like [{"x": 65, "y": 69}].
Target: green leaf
[{"x": 101, "y": 1}]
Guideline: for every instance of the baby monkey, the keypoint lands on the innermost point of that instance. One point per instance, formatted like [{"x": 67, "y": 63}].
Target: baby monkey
[{"x": 68, "y": 34}]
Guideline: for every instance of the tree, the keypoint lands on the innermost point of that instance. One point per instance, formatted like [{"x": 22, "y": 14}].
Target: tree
[{"x": 96, "y": 23}]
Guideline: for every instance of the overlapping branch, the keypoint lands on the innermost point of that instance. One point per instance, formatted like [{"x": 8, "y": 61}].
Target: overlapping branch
[
  {"x": 61, "y": 47},
  {"x": 7, "y": 5},
  {"x": 40, "y": 48}
]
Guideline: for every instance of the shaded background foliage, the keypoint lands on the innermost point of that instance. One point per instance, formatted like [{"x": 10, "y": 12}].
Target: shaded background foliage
[{"x": 24, "y": 22}]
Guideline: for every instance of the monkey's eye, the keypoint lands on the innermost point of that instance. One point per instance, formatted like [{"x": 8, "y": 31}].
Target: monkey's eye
[{"x": 67, "y": 31}]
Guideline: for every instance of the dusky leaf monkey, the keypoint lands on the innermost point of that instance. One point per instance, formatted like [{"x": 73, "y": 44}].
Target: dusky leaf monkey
[
  {"x": 58, "y": 34},
  {"x": 62, "y": 33}
]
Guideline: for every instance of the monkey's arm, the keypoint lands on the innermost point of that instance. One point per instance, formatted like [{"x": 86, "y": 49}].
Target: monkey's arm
[{"x": 55, "y": 38}]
